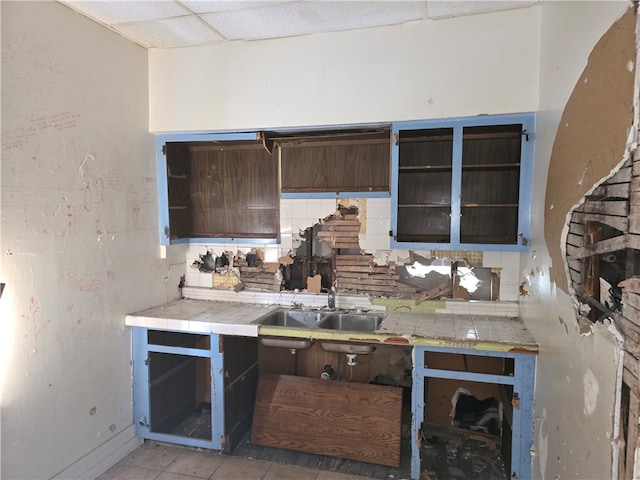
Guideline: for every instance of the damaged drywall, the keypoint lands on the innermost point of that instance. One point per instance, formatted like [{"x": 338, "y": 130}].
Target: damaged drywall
[
  {"x": 327, "y": 255},
  {"x": 588, "y": 146}
]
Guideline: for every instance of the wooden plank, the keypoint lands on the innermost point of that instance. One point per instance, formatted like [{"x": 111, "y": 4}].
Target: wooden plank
[
  {"x": 634, "y": 223},
  {"x": 354, "y": 260},
  {"x": 576, "y": 228},
  {"x": 322, "y": 235},
  {"x": 623, "y": 175},
  {"x": 340, "y": 222},
  {"x": 633, "y": 241},
  {"x": 607, "y": 207},
  {"x": 616, "y": 190},
  {"x": 630, "y": 285},
  {"x": 343, "y": 228},
  {"x": 575, "y": 239},
  {"x": 603, "y": 246},
  {"x": 366, "y": 269},
  {"x": 356, "y": 421},
  {"x": 399, "y": 288},
  {"x": 362, "y": 276},
  {"x": 372, "y": 280},
  {"x": 631, "y": 364},
  {"x": 632, "y": 299},
  {"x": 619, "y": 223}
]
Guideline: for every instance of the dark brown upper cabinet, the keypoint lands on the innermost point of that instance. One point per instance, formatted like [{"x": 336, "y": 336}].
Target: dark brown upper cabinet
[
  {"x": 463, "y": 183},
  {"x": 221, "y": 189},
  {"x": 334, "y": 161}
]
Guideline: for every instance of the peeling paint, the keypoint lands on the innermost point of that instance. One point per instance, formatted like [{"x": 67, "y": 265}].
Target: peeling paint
[{"x": 591, "y": 390}]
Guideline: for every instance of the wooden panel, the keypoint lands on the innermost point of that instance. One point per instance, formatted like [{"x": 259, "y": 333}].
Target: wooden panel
[
  {"x": 241, "y": 377},
  {"x": 341, "y": 419},
  {"x": 328, "y": 166}
]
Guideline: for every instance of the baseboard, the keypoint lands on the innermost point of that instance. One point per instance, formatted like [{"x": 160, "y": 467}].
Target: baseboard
[{"x": 102, "y": 458}]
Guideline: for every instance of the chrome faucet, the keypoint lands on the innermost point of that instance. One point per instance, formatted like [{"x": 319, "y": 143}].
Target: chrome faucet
[{"x": 331, "y": 300}]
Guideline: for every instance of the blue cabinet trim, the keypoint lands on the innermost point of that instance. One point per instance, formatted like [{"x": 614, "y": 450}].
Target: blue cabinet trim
[
  {"x": 526, "y": 177},
  {"x": 523, "y": 386},
  {"x": 141, "y": 390}
]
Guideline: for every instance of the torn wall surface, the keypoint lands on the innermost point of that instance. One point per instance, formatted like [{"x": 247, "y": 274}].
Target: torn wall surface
[{"x": 329, "y": 256}]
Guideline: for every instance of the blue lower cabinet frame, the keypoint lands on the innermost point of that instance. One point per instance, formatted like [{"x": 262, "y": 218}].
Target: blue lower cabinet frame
[
  {"x": 522, "y": 381},
  {"x": 142, "y": 390}
]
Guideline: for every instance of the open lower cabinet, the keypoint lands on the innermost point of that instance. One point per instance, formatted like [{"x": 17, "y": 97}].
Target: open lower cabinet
[
  {"x": 193, "y": 389},
  {"x": 475, "y": 400}
]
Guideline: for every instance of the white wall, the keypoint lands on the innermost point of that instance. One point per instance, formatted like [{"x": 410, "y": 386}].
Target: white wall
[
  {"x": 431, "y": 69},
  {"x": 422, "y": 70},
  {"x": 79, "y": 240},
  {"x": 574, "y": 372}
]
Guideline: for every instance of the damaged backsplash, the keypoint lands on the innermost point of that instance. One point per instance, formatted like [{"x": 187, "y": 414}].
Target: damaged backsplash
[{"x": 347, "y": 247}]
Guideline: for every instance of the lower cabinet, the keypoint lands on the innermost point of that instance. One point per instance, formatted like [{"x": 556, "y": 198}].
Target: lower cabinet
[
  {"x": 444, "y": 374},
  {"x": 193, "y": 389}
]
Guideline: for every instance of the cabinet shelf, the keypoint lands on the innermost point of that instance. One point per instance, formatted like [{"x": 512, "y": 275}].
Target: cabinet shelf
[
  {"x": 424, "y": 205},
  {"x": 418, "y": 168},
  {"x": 490, "y": 205},
  {"x": 491, "y": 166},
  {"x": 467, "y": 136}
]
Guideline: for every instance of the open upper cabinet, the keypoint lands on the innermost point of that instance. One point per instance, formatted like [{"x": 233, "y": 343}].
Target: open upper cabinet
[
  {"x": 227, "y": 187},
  {"x": 217, "y": 187},
  {"x": 463, "y": 183},
  {"x": 454, "y": 184}
]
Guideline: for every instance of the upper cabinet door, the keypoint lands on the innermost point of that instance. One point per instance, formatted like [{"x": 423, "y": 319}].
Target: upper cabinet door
[
  {"x": 337, "y": 162},
  {"x": 463, "y": 183},
  {"x": 217, "y": 188}
]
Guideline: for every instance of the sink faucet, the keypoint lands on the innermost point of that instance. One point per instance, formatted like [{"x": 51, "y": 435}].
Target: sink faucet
[{"x": 331, "y": 300}]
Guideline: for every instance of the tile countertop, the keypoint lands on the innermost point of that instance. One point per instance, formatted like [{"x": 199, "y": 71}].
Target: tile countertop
[{"x": 460, "y": 330}]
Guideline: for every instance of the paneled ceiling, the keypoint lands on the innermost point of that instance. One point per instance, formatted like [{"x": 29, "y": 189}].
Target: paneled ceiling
[{"x": 170, "y": 23}]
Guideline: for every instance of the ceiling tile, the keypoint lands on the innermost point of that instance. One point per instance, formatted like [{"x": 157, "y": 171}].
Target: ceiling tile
[
  {"x": 448, "y": 8},
  {"x": 208, "y": 6},
  {"x": 169, "y": 32},
  {"x": 111, "y": 12},
  {"x": 298, "y": 18}
]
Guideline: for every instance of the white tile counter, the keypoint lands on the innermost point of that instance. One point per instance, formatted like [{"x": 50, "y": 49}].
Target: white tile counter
[{"x": 481, "y": 332}]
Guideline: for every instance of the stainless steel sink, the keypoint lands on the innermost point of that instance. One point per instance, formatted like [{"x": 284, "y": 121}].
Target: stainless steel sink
[
  {"x": 355, "y": 348},
  {"x": 352, "y": 322},
  {"x": 290, "y": 343},
  {"x": 292, "y": 318}
]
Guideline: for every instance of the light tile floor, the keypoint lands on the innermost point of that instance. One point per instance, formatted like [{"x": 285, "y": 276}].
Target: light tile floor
[{"x": 158, "y": 461}]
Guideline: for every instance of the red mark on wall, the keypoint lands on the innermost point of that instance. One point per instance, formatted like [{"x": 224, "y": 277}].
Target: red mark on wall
[
  {"x": 75, "y": 281},
  {"x": 70, "y": 228},
  {"x": 32, "y": 317},
  {"x": 21, "y": 136}
]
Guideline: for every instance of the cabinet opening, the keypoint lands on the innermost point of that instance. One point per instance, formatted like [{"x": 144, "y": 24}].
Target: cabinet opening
[
  {"x": 179, "y": 398},
  {"x": 337, "y": 161},
  {"x": 467, "y": 423},
  {"x": 222, "y": 189},
  {"x": 178, "y": 339}
]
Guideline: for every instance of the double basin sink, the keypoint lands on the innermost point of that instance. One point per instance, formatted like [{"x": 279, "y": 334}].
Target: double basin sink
[{"x": 323, "y": 320}]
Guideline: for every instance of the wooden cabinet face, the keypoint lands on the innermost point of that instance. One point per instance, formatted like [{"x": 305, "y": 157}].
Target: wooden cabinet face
[
  {"x": 222, "y": 190},
  {"x": 336, "y": 162},
  {"x": 490, "y": 184},
  {"x": 424, "y": 185},
  {"x": 461, "y": 185}
]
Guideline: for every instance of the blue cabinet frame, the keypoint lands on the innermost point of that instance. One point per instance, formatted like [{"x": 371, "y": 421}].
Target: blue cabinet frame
[
  {"x": 141, "y": 390},
  {"x": 457, "y": 125},
  {"x": 163, "y": 198},
  {"x": 523, "y": 387}
]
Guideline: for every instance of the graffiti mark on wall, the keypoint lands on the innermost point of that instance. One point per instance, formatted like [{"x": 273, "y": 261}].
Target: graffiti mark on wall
[
  {"x": 80, "y": 283},
  {"x": 20, "y": 137},
  {"x": 35, "y": 324}
]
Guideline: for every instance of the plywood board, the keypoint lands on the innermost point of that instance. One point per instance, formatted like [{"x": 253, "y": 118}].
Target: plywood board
[{"x": 355, "y": 421}]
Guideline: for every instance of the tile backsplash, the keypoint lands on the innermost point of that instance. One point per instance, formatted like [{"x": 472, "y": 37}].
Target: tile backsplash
[{"x": 375, "y": 216}]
